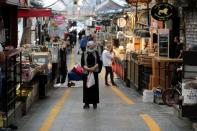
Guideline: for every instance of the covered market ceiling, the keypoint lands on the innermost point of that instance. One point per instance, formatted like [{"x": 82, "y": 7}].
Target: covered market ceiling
[{"x": 80, "y": 8}]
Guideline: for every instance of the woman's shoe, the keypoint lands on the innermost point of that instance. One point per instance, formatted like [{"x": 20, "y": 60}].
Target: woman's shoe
[{"x": 86, "y": 106}]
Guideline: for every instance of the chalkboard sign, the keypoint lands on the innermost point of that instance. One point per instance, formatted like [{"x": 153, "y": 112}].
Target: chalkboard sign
[{"x": 163, "y": 40}]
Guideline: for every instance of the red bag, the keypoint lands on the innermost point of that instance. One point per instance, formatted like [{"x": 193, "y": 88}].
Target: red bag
[{"x": 78, "y": 69}]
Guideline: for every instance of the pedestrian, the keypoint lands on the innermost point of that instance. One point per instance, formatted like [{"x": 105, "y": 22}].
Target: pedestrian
[
  {"x": 55, "y": 50},
  {"x": 71, "y": 39},
  {"x": 74, "y": 37},
  {"x": 176, "y": 75},
  {"x": 107, "y": 57},
  {"x": 83, "y": 43},
  {"x": 80, "y": 35},
  {"x": 175, "y": 48},
  {"x": 48, "y": 42},
  {"x": 89, "y": 61},
  {"x": 178, "y": 47},
  {"x": 62, "y": 66}
]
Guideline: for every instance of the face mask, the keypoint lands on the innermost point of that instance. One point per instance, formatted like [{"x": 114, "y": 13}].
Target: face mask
[{"x": 90, "y": 50}]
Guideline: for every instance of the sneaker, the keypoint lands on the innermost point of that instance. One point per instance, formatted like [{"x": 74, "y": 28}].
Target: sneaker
[
  {"x": 57, "y": 85},
  {"x": 86, "y": 106},
  {"x": 63, "y": 85}
]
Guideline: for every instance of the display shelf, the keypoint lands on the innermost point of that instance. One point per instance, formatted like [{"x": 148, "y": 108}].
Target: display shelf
[
  {"x": 11, "y": 68},
  {"x": 163, "y": 40}
]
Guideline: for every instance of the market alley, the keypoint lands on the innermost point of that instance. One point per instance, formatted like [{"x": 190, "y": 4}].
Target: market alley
[{"x": 120, "y": 109}]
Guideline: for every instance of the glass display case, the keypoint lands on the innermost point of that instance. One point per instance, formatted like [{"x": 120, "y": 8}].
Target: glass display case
[
  {"x": 163, "y": 41},
  {"x": 41, "y": 58}
]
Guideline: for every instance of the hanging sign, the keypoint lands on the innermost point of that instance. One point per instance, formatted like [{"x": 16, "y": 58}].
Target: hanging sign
[
  {"x": 162, "y": 11},
  {"x": 121, "y": 22},
  {"x": 59, "y": 19}
]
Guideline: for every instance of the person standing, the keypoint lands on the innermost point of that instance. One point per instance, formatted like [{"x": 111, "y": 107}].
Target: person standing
[
  {"x": 71, "y": 39},
  {"x": 74, "y": 37},
  {"x": 107, "y": 57},
  {"x": 83, "y": 43},
  {"x": 62, "y": 66},
  {"x": 176, "y": 75},
  {"x": 89, "y": 61},
  {"x": 178, "y": 47}
]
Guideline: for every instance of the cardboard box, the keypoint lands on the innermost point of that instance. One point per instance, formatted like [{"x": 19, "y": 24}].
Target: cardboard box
[
  {"x": 189, "y": 95},
  {"x": 148, "y": 96}
]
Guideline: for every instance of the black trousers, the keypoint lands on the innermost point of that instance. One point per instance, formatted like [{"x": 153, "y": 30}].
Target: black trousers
[
  {"x": 109, "y": 71},
  {"x": 62, "y": 77}
]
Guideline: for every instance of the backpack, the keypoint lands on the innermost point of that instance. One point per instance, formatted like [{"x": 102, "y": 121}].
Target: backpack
[{"x": 96, "y": 56}]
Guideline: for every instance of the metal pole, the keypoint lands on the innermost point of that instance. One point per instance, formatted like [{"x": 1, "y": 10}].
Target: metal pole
[
  {"x": 136, "y": 17},
  {"x": 148, "y": 17}
]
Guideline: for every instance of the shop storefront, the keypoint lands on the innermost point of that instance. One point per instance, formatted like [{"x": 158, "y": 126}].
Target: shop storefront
[
  {"x": 25, "y": 62},
  {"x": 10, "y": 61},
  {"x": 36, "y": 58},
  {"x": 147, "y": 48}
]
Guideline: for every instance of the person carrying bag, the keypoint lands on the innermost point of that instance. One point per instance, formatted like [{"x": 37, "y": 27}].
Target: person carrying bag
[{"x": 90, "y": 62}]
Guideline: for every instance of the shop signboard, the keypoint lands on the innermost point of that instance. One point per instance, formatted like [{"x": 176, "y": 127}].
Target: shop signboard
[
  {"x": 59, "y": 19},
  {"x": 162, "y": 11}
]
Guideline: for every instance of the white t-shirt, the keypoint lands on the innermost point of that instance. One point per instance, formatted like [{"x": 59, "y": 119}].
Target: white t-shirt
[{"x": 107, "y": 58}]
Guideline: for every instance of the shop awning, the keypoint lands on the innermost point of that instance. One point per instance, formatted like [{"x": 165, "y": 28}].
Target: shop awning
[
  {"x": 34, "y": 12},
  {"x": 108, "y": 6}
]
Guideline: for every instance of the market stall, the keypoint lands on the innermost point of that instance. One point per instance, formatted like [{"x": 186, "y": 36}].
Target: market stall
[
  {"x": 10, "y": 62},
  {"x": 36, "y": 56}
]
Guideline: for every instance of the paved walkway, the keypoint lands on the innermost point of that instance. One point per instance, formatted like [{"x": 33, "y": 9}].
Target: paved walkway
[{"x": 120, "y": 109}]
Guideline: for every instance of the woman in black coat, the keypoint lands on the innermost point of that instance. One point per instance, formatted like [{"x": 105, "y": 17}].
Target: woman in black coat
[{"x": 89, "y": 61}]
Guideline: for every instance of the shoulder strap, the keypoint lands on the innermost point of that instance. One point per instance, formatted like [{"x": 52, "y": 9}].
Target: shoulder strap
[{"x": 85, "y": 58}]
